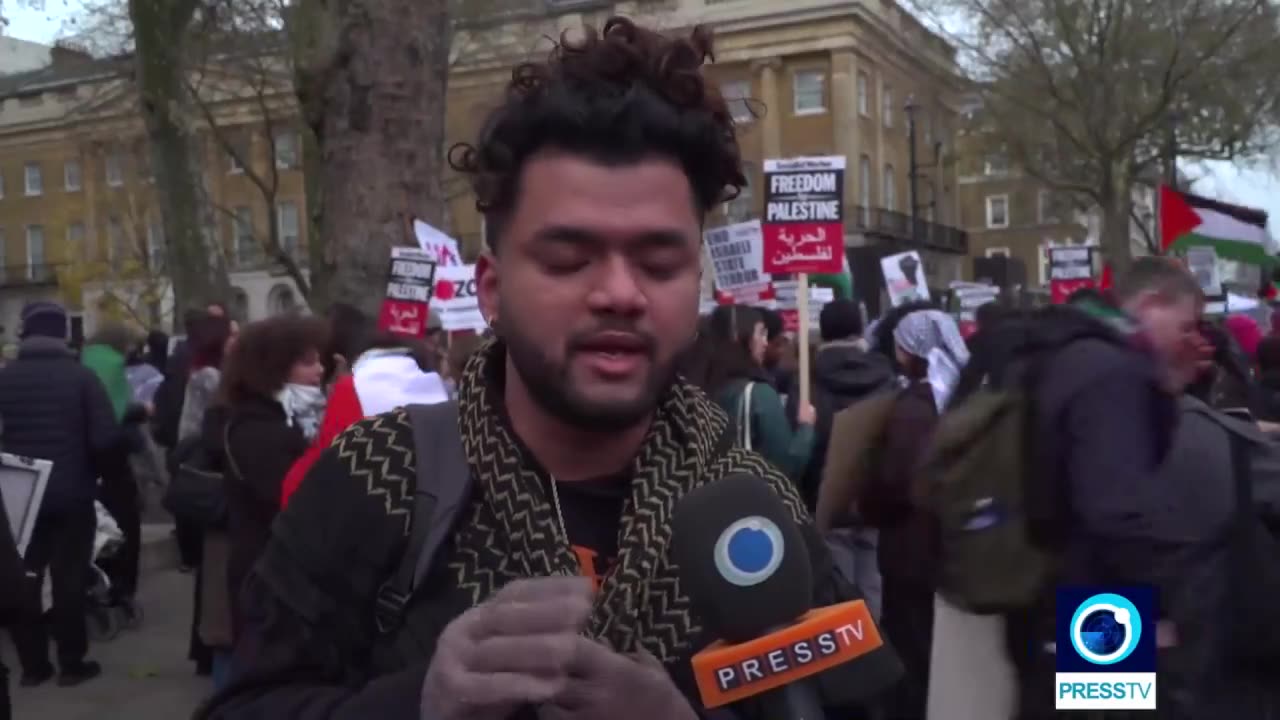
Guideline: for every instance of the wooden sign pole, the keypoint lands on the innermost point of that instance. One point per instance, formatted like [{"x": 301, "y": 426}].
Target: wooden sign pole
[{"x": 802, "y": 309}]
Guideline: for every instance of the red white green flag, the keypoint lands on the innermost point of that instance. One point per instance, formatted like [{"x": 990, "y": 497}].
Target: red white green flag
[{"x": 1234, "y": 232}]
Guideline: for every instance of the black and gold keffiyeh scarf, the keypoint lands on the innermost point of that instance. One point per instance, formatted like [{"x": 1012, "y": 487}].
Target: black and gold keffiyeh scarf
[{"x": 511, "y": 531}]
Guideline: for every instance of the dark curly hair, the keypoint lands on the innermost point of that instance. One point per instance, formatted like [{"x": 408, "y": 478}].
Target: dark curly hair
[
  {"x": 616, "y": 96},
  {"x": 266, "y": 352}
]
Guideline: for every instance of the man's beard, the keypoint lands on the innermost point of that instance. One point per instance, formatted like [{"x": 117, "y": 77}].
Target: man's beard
[{"x": 552, "y": 388}]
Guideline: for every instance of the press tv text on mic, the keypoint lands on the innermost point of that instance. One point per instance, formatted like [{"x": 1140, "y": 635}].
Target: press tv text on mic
[{"x": 746, "y": 569}]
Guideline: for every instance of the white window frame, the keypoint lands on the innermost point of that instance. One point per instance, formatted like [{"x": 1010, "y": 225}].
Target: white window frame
[
  {"x": 36, "y": 231},
  {"x": 77, "y": 246},
  {"x": 113, "y": 168},
  {"x": 737, "y": 95},
  {"x": 242, "y": 220},
  {"x": 889, "y": 189},
  {"x": 155, "y": 243},
  {"x": 30, "y": 171},
  {"x": 864, "y": 94},
  {"x": 797, "y": 93},
  {"x": 1044, "y": 208},
  {"x": 72, "y": 176},
  {"x": 995, "y": 164},
  {"x": 886, "y": 106},
  {"x": 992, "y": 252},
  {"x": 297, "y": 227},
  {"x": 864, "y": 187},
  {"x": 990, "y": 203},
  {"x": 283, "y": 139},
  {"x": 233, "y": 165},
  {"x": 117, "y": 241}
]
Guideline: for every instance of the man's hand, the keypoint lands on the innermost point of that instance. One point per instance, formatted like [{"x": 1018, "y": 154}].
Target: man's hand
[
  {"x": 609, "y": 686},
  {"x": 515, "y": 649}
]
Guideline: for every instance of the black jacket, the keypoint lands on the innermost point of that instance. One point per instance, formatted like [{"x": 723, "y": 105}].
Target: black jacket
[
  {"x": 56, "y": 409},
  {"x": 262, "y": 447},
  {"x": 169, "y": 396},
  {"x": 12, "y": 574},
  {"x": 843, "y": 374}
]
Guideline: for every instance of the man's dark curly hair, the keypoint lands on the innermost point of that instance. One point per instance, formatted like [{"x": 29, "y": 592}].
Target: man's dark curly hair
[{"x": 616, "y": 96}]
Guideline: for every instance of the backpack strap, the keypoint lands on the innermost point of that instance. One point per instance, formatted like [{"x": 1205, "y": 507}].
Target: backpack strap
[{"x": 442, "y": 489}]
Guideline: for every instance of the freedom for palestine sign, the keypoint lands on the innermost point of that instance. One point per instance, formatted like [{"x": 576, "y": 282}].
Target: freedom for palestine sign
[{"x": 804, "y": 215}]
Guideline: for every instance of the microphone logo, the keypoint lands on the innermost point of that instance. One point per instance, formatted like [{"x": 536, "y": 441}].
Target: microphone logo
[{"x": 749, "y": 551}]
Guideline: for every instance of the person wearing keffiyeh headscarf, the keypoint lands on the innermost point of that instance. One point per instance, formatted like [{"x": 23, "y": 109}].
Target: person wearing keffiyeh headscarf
[{"x": 930, "y": 352}]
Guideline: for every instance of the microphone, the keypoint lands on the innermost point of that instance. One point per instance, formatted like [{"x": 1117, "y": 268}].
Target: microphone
[{"x": 745, "y": 566}]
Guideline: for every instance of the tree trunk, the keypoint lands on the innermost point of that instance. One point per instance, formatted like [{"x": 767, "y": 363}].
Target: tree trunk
[
  {"x": 372, "y": 81},
  {"x": 159, "y": 27},
  {"x": 1116, "y": 207},
  {"x": 320, "y": 263}
]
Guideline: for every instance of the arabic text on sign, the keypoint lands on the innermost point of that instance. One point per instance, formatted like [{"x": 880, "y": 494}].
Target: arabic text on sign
[
  {"x": 805, "y": 183},
  {"x": 803, "y": 210},
  {"x": 409, "y": 291},
  {"x": 410, "y": 269}
]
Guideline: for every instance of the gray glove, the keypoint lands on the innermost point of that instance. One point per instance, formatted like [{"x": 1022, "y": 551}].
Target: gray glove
[
  {"x": 605, "y": 685},
  {"x": 515, "y": 649}
]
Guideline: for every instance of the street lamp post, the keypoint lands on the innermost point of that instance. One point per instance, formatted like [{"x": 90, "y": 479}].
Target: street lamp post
[{"x": 912, "y": 170}]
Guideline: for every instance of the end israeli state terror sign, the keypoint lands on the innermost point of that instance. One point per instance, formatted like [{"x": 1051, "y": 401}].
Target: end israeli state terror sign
[
  {"x": 804, "y": 215},
  {"x": 410, "y": 283}
]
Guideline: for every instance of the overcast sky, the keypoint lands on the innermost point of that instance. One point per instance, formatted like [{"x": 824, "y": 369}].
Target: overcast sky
[{"x": 1256, "y": 186}]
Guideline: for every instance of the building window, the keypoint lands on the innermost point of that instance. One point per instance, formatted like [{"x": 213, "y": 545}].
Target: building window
[
  {"x": 4, "y": 258},
  {"x": 890, "y": 190},
  {"x": 246, "y": 248},
  {"x": 71, "y": 175},
  {"x": 743, "y": 207},
  {"x": 115, "y": 170},
  {"x": 1047, "y": 207},
  {"x": 155, "y": 243},
  {"x": 287, "y": 227},
  {"x": 864, "y": 95},
  {"x": 75, "y": 241},
  {"x": 995, "y": 164},
  {"x": 864, "y": 188},
  {"x": 288, "y": 152},
  {"x": 117, "y": 242},
  {"x": 809, "y": 92},
  {"x": 886, "y": 106},
  {"x": 33, "y": 181},
  {"x": 996, "y": 252},
  {"x": 1, "y": 185},
  {"x": 234, "y": 167},
  {"x": 737, "y": 94},
  {"x": 998, "y": 211},
  {"x": 36, "y": 269}
]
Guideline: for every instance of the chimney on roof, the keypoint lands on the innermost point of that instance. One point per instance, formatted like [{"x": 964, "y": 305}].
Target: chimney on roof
[{"x": 66, "y": 52}]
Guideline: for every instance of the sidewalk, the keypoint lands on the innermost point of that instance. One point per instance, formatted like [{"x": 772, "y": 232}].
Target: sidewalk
[{"x": 146, "y": 675}]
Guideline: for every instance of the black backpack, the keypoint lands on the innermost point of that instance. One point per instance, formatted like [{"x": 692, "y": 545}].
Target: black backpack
[{"x": 442, "y": 491}]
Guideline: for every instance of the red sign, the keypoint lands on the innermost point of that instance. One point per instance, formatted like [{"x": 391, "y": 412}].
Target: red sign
[
  {"x": 1070, "y": 270},
  {"x": 804, "y": 215},
  {"x": 410, "y": 281}
]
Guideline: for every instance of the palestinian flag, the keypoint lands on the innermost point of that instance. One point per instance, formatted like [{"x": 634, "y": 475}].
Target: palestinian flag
[{"x": 1234, "y": 232}]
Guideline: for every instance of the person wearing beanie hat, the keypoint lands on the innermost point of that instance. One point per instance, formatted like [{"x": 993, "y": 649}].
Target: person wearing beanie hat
[
  {"x": 839, "y": 320},
  {"x": 57, "y": 409},
  {"x": 44, "y": 319}
]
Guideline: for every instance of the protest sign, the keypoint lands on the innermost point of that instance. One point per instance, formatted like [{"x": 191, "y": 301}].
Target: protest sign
[
  {"x": 442, "y": 248},
  {"x": 788, "y": 304},
  {"x": 737, "y": 253},
  {"x": 456, "y": 300},
  {"x": 410, "y": 282},
  {"x": 904, "y": 278},
  {"x": 1202, "y": 261},
  {"x": 1070, "y": 270},
  {"x": 804, "y": 215}
]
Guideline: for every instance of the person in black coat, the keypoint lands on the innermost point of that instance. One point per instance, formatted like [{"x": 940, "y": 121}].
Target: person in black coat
[
  {"x": 56, "y": 409},
  {"x": 272, "y": 401},
  {"x": 12, "y": 576}
]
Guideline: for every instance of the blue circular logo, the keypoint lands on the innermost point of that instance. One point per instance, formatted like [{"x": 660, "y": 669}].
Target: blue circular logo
[
  {"x": 749, "y": 551},
  {"x": 1105, "y": 629}
]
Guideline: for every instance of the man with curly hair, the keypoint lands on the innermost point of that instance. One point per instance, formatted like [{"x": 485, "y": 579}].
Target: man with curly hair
[{"x": 554, "y": 595}]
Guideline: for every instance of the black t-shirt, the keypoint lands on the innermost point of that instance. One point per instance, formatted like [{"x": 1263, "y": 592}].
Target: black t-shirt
[{"x": 592, "y": 511}]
